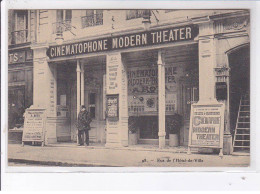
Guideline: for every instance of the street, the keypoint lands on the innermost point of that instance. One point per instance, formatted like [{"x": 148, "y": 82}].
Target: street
[{"x": 71, "y": 155}]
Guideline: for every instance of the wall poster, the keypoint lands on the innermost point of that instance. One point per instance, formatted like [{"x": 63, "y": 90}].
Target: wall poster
[{"x": 113, "y": 107}]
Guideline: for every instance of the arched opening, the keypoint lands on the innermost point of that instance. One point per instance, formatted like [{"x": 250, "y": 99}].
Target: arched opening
[{"x": 239, "y": 96}]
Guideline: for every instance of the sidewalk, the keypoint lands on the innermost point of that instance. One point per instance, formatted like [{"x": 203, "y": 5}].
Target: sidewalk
[{"x": 68, "y": 154}]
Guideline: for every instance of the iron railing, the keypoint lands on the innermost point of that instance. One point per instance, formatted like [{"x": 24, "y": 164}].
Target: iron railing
[
  {"x": 133, "y": 14},
  {"x": 19, "y": 37},
  {"x": 61, "y": 26},
  {"x": 92, "y": 20}
]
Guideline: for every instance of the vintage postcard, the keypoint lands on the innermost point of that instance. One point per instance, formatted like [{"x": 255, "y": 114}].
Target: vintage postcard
[{"x": 128, "y": 87}]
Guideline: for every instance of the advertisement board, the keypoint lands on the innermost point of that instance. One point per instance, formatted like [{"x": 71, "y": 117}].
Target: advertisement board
[
  {"x": 34, "y": 126},
  {"x": 207, "y": 126}
]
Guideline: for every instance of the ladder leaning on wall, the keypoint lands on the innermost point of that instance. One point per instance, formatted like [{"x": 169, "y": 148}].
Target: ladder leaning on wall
[{"x": 241, "y": 141}]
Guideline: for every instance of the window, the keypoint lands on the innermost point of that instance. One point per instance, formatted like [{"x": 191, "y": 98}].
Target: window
[
  {"x": 92, "y": 105},
  {"x": 63, "y": 21},
  {"x": 16, "y": 76},
  {"x": 64, "y": 15},
  {"x": 19, "y": 27},
  {"x": 133, "y": 14},
  {"x": 92, "y": 18},
  {"x": 16, "y": 106}
]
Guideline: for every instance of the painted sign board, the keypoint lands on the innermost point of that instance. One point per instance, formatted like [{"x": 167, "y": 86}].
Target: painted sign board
[
  {"x": 34, "y": 125},
  {"x": 20, "y": 56},
  {"x": 16, "y": 57},
  {"x": 140, "y": 39},
  {"x": 207, "y": 126},
  {"x": 113, "y": 73},
  {"x": 113, "y": 107}
]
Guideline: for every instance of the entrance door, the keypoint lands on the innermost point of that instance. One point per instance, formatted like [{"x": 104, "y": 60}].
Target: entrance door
[
  {"x": 94, "y": 101},
  {"x": 189, "y": 94}
]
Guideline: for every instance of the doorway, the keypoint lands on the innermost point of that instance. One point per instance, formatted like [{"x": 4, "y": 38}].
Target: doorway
[{"x": 239, "y": 63}]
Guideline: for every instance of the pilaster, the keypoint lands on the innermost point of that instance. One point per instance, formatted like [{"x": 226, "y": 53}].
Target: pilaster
[
  {"x": 45, "y": 88},
  {"x": 207, "y": 63},
  {"x": 116, "y": 83}
]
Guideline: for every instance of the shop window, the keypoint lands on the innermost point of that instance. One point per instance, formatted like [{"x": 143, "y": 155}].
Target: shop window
[
  {"x": 92, "y": 18},
  {"x": 16, "y": 107},
  {"x": 92, "y": 105},
  {"x": 63, "y": 21},
  {"x": 133, "y": 14},
  {"x": 16, "y": 76},
  {"x": 19, "y": 27}
]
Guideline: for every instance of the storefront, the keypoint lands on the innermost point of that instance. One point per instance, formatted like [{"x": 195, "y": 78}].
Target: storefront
[
  {"x": 92, "y": 95},
  {"x": 131, "y": 74},
  {"x": 181, "y": 89},
  {"x": 20, "y": 85},
  {"x": 140, "y": 75}
]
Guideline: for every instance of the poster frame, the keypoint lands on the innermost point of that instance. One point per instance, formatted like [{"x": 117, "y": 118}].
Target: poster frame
[{"x": 107, "y": 116}]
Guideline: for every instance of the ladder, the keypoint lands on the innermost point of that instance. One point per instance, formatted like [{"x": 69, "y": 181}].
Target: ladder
[{"x": 241, "y": 141}]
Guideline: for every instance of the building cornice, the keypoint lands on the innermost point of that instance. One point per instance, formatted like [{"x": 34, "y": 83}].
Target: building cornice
[
  {"x": 19, "y": 47},
  {"x": 43, "y": 45},
  {"x": 239, "y": 13},
  {"x": 209, "y": 18}
]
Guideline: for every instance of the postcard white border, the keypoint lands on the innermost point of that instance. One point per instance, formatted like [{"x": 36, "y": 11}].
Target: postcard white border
[{"x": 11, "y": 174}]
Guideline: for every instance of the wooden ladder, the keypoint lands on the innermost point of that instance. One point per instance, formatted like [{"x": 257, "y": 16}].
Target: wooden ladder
[{"x": 241, "y": 141}]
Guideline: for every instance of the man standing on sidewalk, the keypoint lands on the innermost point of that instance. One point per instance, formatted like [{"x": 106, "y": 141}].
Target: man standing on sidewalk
[{"x": 83, "y": 125}]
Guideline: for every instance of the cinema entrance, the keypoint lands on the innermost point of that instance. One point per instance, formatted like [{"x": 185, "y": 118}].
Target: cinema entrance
[
  {"x": 80, "y": 82},
  {"x": 181, "y": 87}
]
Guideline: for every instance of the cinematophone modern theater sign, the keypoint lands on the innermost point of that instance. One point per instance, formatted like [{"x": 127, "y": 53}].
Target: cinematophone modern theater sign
[{"x": 141, "y": 39}]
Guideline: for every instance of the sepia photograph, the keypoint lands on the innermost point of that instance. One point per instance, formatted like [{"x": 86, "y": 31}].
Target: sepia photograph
[
  {"x": 128, "y": 88},
  {"x": 129, "y": 95}
]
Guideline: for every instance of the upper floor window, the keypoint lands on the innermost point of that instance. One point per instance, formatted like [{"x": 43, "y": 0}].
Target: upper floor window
[
  {"x": 63, "y": 21},
  {"x": 92, "y": 18},
  {"x": 133, "y": 14},
  {"x": 18, "y": 27}
]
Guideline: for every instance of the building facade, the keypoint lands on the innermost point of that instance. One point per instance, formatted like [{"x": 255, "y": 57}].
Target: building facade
[
  {"x": 21, "y": 29},
  {"x": 135, "y": 67}
]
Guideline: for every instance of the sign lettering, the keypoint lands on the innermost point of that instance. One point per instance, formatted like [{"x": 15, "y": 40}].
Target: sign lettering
[
  {"x": 16, "y": 57},
  {"x": 207, "y": 126},
  {"x": 112, "y": 107},
  {"x": 34, "y": 125},
  {"x": 154, "y": 37}
]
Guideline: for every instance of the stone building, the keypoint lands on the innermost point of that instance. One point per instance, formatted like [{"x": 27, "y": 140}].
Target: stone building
[{"x": 143, "y": 64}]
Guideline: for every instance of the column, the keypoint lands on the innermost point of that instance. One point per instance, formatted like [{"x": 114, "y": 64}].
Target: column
[
  {"x": 161, "y": 100},
  {"x": 78, "y": 86},
  {"x": 82, "y": 85},
  {"x": 123, "y": 109},
  {"x": 78, "y": 89}
]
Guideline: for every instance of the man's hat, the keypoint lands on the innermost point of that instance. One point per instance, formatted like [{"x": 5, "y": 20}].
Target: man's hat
[{"x": 83, "y": 106}]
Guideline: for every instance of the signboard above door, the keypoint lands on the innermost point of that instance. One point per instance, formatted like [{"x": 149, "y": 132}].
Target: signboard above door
[{"x": 140, "y": 39}]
